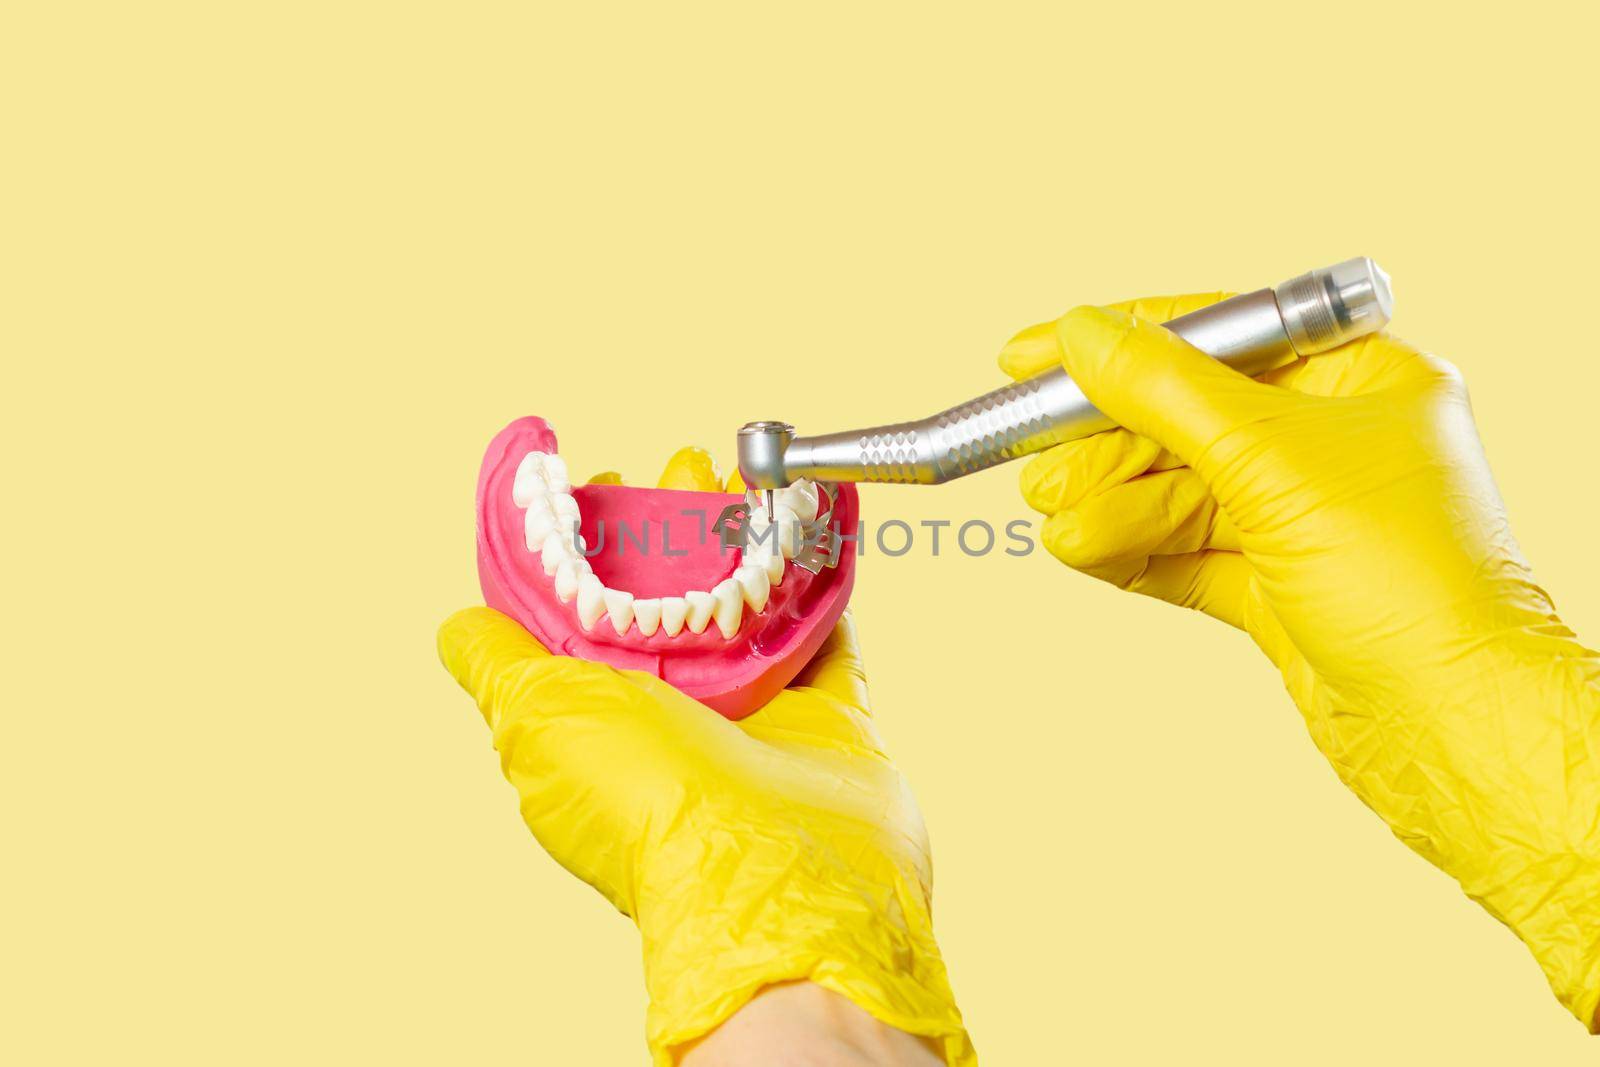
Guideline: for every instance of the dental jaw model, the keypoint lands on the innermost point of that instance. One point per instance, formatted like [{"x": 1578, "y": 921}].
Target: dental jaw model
[{"x": 640, "y": 579}]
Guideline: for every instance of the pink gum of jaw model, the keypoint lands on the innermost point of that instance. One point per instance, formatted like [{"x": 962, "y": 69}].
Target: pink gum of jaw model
[{"x": 734, "y": 676}]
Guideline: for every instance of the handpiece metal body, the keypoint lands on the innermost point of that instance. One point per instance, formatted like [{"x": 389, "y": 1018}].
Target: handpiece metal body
[{"x": 1252, "y": 333}]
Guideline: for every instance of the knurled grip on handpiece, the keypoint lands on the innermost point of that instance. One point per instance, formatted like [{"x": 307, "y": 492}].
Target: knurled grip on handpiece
[{"x": 1252, "y": 333}]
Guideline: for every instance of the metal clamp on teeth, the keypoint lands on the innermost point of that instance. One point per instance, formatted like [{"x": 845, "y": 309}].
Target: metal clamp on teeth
[
  {"x": 820, "y": 545},
  {"x": 819, "y": 548},
  {"x": 730, "y": 525}
]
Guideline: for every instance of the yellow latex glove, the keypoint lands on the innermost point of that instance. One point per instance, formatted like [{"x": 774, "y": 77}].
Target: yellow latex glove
[
  {"x": 782, "y": 847},
  {"x": 1342, "y": 513}
]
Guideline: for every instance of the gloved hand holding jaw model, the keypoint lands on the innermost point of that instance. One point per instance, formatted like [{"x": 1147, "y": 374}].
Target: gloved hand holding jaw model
[
  {"x": 1341, "y": 512},
  {"x": 777, "y": 867}
]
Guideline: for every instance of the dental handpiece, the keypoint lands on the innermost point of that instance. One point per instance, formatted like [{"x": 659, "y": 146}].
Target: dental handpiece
[{"x": 1253, "y": 334}]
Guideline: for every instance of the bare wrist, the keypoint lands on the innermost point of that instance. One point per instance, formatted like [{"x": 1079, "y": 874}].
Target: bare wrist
[{"x": 801, "y": 1024}]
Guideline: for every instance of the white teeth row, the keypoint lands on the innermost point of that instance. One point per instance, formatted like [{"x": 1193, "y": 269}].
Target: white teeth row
[{"x": 550, "y": 529}]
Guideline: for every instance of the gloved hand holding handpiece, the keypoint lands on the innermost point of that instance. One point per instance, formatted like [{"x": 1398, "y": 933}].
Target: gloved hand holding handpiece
[{"x": 1341, "y": 512}]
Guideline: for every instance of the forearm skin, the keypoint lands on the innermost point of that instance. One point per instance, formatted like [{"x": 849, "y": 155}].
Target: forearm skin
[{"x": 800, "y": 1024}]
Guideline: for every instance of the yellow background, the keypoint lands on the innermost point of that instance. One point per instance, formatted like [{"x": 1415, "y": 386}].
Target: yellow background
[{"x": 274, "y": 273}]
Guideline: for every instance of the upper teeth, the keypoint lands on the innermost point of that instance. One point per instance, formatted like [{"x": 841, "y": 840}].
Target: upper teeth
[{"x": 551, "y": 526}]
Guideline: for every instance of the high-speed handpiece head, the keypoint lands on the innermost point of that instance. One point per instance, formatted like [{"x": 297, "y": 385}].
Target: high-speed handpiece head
[
  {"x": 1324, "y": 308},
  {"x": 761, "y": 448}
]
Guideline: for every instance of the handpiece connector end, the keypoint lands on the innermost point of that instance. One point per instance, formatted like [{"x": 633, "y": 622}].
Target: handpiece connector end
[{"x": 1331, "y": 306}]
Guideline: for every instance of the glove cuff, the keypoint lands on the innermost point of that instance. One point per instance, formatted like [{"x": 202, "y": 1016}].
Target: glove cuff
[{"x": 863, "y": 932}]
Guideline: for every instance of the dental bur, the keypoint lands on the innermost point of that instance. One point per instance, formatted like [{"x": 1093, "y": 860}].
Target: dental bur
[{"x": 1253, "y": 334}]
